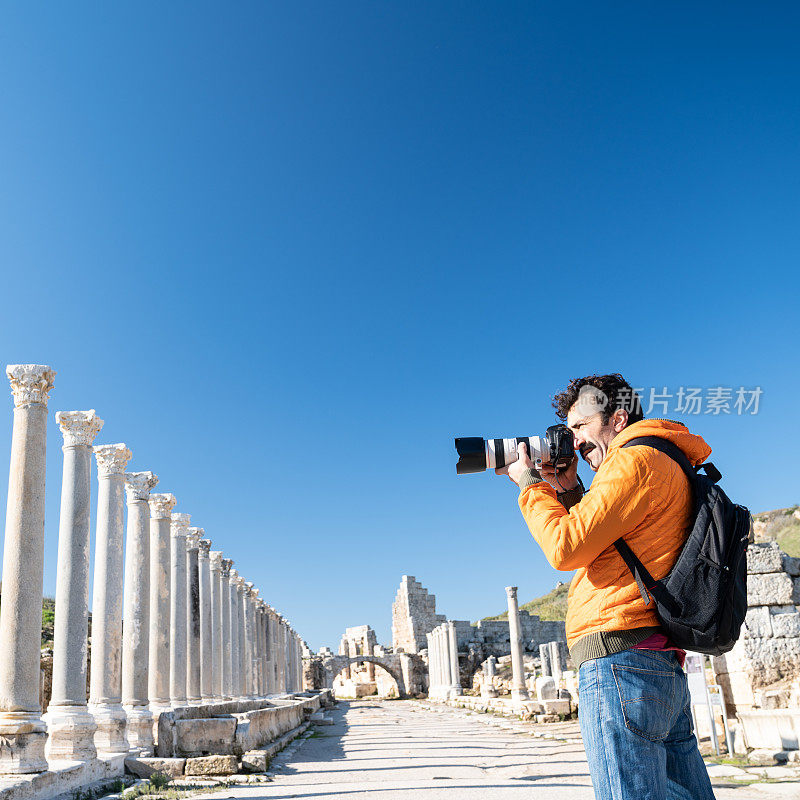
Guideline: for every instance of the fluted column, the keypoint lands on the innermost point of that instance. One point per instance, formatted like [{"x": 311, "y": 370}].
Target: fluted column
[
  {"x": 22, "y": 730},
  {"x": 179, "y": 529},
  {"x": 455, "y": 678},
  {"x": 193, "y": 616},
  {"x": 250, "y": 630},
  {"x": 215, "y": 567},
  {"x": 136, "y": 621},
  {"x": 240, "y": 601},
  {"x": 70, "y": 726},
  {"x": 282, "y": 643},
  {"x": 161, "y": 506},
  {"x": 105, "y": 701},
  {"x": 227, "y": 666},
  {"x": 519, "y": 692},
  {"x": 262, "y": 609},
  {"x": 206, "y": 651},
  {"x": 269, "y": 629},
  {"x": 233, "y": 606}
]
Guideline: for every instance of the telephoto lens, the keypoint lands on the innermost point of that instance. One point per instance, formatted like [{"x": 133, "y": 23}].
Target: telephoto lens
[{"x": 476, "y": 454}]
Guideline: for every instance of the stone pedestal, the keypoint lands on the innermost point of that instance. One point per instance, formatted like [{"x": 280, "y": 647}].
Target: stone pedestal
[
  {"x": 22, "y": 730},
  {"x": 519, "y": 692},
  {"x": 193, "y": 616},
  {"x": 70, "y": 726},
  {"x": 136, "y": 626},
  {"x": 179, "y": 528},
  {"x": 105, "y": 701},
  {"x": 161, "y": 506}
]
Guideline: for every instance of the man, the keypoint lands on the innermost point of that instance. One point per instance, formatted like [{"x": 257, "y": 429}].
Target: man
[{"x": 634, "y": 700}]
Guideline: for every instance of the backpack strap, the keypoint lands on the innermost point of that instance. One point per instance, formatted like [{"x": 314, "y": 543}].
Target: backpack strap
[{"x": 644, "y": 580}]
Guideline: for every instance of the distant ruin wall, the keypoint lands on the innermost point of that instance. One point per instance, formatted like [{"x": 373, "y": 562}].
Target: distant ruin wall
[
  {"x": 413, "y": 616},
  {"x": 768, "y": 652}
]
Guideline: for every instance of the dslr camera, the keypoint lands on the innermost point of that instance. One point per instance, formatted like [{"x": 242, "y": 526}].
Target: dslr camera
[{"x": 476, "y": 455}]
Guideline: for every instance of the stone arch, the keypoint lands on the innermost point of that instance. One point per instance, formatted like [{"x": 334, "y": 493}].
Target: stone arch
[{"x": 333, "y": 666}]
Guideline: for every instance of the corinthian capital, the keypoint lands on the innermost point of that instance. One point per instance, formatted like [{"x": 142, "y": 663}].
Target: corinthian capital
[
  {"x": 111, "y": 459},
  {"x": 138, "y": 485},
  {"x": 30, "y": 383},
  {"x": 511, "y": 591},
  {"x": 79, "y": 427},
  {"x": 205, "y": 546},
  {"x": 227, "y": 565},
  {"x": 179, "y": 524},
  {"x": 215, "y": 561},
  {"x": 161, "y": 505},
  {"x": 193, "y": 538}
]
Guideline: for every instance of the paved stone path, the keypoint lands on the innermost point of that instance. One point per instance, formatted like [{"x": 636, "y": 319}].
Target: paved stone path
[{"x": 403, "y": 750}]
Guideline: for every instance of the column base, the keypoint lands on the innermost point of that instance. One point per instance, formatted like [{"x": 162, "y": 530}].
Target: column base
[
  {"x": 520, "y": 696},
  {"x": 111, "y": 719},
  {"x": 140, "y": 731},
  {"x": 23, "y": 735},
  {"x": 70, "y": 733}
]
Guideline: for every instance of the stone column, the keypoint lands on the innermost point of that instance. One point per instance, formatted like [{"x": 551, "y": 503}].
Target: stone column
[
  {"x": 227, "y": 667},
  {"x": 269, "y": 623},
  {"x": 233, "y": 607},
  {"x": 247, "y": 627},
  {"x": 105, "y": 696},
  {"x": 444, "y": 664},
  {"x": 289, "y": 659},
  {"x": 280, "y": 674},
  {"x": 519, "y": 692},
  {"x": 240, "y": 602},
  {"x": 265, "y": 648},
  {"x": 136, "y": 620},
  {"x": 254, "y": 640},
  {"x": 206, "y": 651},
  {"x": 215, "y": 567},
  {"x": 193, "y": 616},
  {"x": 161, "y": 506},
  {"x": 259, "y": 649},
  {"x": 444, "y": 660},
  {"x": 491, "y": 667},
  {"x": 70, "y": 726},
  {"x": 455, "y": 678},
  {"x": 179, "y": 529},
  {"x": 544, "y": 659},
  {"x": 22, "y": 730}
]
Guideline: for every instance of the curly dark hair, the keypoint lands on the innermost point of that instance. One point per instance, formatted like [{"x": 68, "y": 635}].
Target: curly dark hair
[{"x": 616, "y": 389}]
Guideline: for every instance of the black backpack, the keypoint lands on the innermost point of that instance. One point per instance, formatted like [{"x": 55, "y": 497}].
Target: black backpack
[{"x": 701, "y": 603}]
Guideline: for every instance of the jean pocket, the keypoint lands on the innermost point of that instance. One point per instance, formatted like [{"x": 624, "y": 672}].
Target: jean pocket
[{"x": 647, "y": 698}]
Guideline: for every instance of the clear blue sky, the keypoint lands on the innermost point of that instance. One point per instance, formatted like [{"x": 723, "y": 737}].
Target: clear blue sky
[{"x": 288, "y": 251}]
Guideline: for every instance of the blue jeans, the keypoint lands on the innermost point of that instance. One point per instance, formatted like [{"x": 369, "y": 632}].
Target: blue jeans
[{"x": 637, "y": 728}]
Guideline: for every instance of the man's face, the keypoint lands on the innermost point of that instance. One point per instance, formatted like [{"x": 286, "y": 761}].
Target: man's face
[{"x": 592, "y": 435}]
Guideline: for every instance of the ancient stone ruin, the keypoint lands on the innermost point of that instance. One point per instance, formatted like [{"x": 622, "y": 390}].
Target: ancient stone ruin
[
  {"x": 760, "y": 677},
  {"x": 184, "y": 651}
]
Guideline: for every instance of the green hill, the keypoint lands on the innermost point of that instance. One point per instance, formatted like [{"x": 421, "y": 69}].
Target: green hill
[
  {"x": 551, "y": 606},
  {"x": 781, "y": 526}
]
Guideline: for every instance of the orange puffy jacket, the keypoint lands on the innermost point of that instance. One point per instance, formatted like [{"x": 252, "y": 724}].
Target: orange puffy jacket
[{"x": 639, "y": 494}]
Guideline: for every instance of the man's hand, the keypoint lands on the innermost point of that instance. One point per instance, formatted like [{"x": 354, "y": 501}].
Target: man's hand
[
  {"x": 567, "y": 478},
  {"x": 515, "y": 470}
]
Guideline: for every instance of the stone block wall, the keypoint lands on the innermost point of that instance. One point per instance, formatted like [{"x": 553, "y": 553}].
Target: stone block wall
[
  {"x": 413, "y": 616},
  {"x": 768, "y": 651}
]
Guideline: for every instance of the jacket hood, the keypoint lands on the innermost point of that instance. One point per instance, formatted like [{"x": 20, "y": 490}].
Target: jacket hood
[{"x": 694, "y": 447}]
